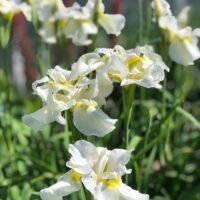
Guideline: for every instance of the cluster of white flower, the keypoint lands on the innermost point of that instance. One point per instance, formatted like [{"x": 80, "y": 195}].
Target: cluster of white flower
[
  {"x": 72, "y": 90},
  {"x": 75, "y": 22},
  {"x": 100, "y": 171},
  {"x": 183, "y": 41},
  {"x": 84, "y": 89}
]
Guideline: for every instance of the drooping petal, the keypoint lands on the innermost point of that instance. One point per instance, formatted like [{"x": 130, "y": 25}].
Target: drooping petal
[
  {"x": 65, "y": 186},
  {"x": 93, "y": 122},
  {"x": 48, "y": 114},
  {"x": 40, "y": 118},
  {"x": 116, "y": 190},
  {"x": 184, "y": 53},
  {"x": 113, "y": 24}
]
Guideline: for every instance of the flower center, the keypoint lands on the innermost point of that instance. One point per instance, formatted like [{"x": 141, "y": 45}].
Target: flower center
[
  {"x": 111, "y": 183},
  {"x": 75, "y": 176}
]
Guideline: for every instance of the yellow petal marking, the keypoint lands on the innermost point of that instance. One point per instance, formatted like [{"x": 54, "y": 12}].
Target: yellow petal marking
[
  {"x": 111, "y": 183},
  {"x": 75, "y": 176}
]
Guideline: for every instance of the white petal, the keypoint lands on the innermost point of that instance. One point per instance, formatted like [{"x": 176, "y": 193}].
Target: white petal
[
  {"x": 26, "y": 9},
  {"x": 47, "y": 33},
  {"x": 105, "y": 87},
  {"x": 82, "y": 157},
  {"x": 85, "y": 65},
  {"x": 95, "y": 122},
  {"x": 197, "y": 32},
  {"x": 87, "y": 150},
  {"x": 39, "y": 119},
  {"x": 113, "y": 24},
  {"x": 62, "y": 188},
  {"x": 49, "y": 113},
  {"x": 79, "y": 32},
  {"x": 161, "y": 8},
  {"x": 117, "y": 160},
  {"x": 183, "y": 53},
  {"x": 42, "y": 90},
  {"x": 89, "y": 183},
  {"x": 128, "y": 193},
  {"x": 103, "y": 193},
  {"x": 183, "y": 16}
]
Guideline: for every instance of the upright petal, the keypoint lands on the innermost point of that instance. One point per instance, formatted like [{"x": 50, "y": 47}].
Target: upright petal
[
  {"x": 85, "y": 65},
  {"x": 117, "y": 161},
  {"x": 113, "y": 24},
  {"x": 83, "y": 154}
]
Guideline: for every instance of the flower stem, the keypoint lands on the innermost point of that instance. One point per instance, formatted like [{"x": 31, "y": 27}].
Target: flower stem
[
  {"x": 128, "y": 105},
  {"x": 140, "y": 13},
  {"x": 95, "y": 21}
]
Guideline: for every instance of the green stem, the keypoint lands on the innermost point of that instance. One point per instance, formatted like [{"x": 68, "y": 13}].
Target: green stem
[
  {"x": 128, "y": 105},
  {"x": 95, "y": 20},
  {"x": 163, "y": 97},
  {"x": 140, "y": 13},
  {"x": 159, "y": 137},
  {"x": 148, "y": 21},
  {"x": 8, "y": 103}
]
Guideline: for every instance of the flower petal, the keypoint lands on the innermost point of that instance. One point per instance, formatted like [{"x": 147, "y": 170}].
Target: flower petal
[
  {"x": 93, "y": 122},
  {"x": 62, "y": 188},
  {"x": 84, "y": 154},
  {"x": 85, "y": 65},
  {"x": 113, "y": 24},
  {"x": 117, "y": 160},
  {"x": 184, "y": 53},
  {"x": 40, "y": 118},
  {"x": 127, "y": 193}
]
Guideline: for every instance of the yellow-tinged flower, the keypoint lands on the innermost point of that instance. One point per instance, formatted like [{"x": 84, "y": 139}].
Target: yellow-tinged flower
[
  {"x": 183, "y": 48},
  {"x": 99, "y": 170},
  {"x": 75, "y": 22},
  {"x": 139, "y": 66},
  {"x": 112, "y": 23},
  {"x": 63, "y": 90}
]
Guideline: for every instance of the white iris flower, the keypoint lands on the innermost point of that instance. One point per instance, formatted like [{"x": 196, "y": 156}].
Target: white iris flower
[
  {"x": 100, "y": 171},
  {"x": 112, "y": 23},
  {"x": 64, "y": 90},
  {"x": 139, "y": 66},
  {"x": 183, "y": 47},
  {"x": 183, "y": 41},
  {"x": 8, "y": 8},
  {"x": 45, "y": 11},
  {"x": 77, "y": 22}
]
